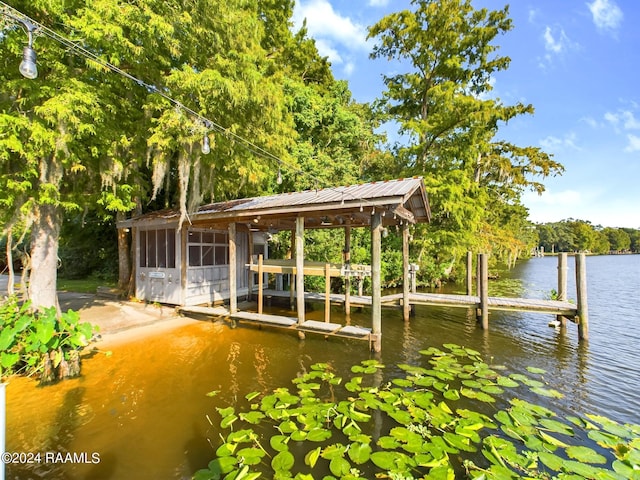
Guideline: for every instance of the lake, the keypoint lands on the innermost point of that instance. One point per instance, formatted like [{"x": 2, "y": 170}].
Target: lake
[{"x": 143, "y": 408}]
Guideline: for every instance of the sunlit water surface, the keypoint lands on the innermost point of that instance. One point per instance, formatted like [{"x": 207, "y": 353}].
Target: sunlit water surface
[{"x": 143, "y": 409}]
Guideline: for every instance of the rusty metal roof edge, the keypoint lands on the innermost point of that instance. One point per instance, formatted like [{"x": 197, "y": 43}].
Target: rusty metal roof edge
[{"x": 359, "y": 195}]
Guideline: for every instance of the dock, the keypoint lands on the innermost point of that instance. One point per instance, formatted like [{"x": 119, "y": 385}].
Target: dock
[{"x": 482, "y": 303}]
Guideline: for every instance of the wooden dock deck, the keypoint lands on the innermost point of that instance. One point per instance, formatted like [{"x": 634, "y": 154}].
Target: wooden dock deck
[
  {"x": 554, "y": 307},
  {"x": 284, "y": 322}
]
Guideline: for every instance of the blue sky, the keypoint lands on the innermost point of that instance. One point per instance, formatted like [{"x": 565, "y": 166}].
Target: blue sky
[{"x": 576, "y": 61}]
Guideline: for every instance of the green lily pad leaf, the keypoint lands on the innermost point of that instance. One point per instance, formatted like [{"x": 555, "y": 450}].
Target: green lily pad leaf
[
  {"x": 251, "y": 396},
  {"x": 339, "y": 466},
  {"x": 472, "y": 383},
  {"x": 551, "y": 440},
  {"x": 603, "y": 439},
  {"x": 402, "y": 382},
  {"x": 283, "y": 462},
  {"x": 287, "y": 426},
  {"x": 318, "y": 435},
  {"x": 252, "y": 417},
  {"x": 401, "y": 416},
  {"x": 227, "y": 421},
  {"x": 547, "y": 392},
  {"x": 279, "y": 443},
  {"x": 452, "y": 395},
  {"x": 507, "y": 382},
  {"x": 586, "y": 471},
  {"x": 225, "y": 412},
  {"x": 222, "y": 465},
  {"x": 492, "y": 390},
  {"x": 333, "y": 451},
  {"x": 312, "y": 457},
  {"x": 551, "y": 461},
  {"x": 557, "y": 427},
  {"x": 386, "y": 460},
  {"x": 585, "y": 455},
  {"x": 458, "y": 441},
  {"x": 251, "y": 456},
  {"x": 388, "y": 443},
  {"x": 226, "y": 449},
  {"x": 359, "y": 453},
  {"x": 611, "y": 427},
  {"x": 535, "y": 370},
  {"x": 298, "y": 436}
]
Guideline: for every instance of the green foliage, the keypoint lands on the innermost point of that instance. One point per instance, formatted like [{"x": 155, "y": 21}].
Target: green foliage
[
  {"x": 427, "y": 424},
  {"x": 41, "y": 343},
  {"x": 443, "y": 105},
  {"x": 578, "y": 235}
]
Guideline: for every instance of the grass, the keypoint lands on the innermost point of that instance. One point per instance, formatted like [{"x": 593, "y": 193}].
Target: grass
[{"x": 84, "y": 285}]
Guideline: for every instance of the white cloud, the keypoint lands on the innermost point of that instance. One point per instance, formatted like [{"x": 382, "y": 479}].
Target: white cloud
[
  {"x": 623, "y": 119},
  {"x": 554, "y": 143},
  {"x": 592, "y": 122},
  {"x": 607, "y": 16},
  {"x": 378, "y": 3},
  {"x": 634, "y": 144},
  {"x": 555, "y": 44},
  {"x": 324, "y": 23}
]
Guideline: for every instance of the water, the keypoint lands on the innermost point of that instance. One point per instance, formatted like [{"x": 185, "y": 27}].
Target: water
[{"x": 143, "y": 409}]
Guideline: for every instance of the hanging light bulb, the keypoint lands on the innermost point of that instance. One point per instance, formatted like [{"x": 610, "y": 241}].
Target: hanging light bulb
[
  {"x": 279, "y": 179},
  {"x": 206, "y": 148},
  {"x": 28, "y": 67}
]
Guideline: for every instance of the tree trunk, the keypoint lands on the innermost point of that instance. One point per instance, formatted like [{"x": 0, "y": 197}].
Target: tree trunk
[
  {"x": 11, "y": 282},
  {"x": 124, "y": 259},
  {"x": 44, "y": 256}
]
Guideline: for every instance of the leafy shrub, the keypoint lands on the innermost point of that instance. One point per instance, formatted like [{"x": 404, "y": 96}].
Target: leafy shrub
[
  {"x": 41, "y": 343},
  {"x": 426, "y": 425}
]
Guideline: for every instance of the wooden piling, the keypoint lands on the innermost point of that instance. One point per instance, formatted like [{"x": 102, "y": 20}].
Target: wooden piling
[
  {"x": 469, "y": 273},
  {"x": 327, "y": 292},
  {"x": 233, "y": 284},
  {"x": 376, "y": 293},
  {"x": 406, "y": 304},
  {"x": 483, "y": 281},
  {"x": 260, "y": 283},
  {"x": 581, "y": 291},
  {"x": 562, "y": 284},
  {"x": 347, "y": 262},
  {"x": 300, "y": 268}
]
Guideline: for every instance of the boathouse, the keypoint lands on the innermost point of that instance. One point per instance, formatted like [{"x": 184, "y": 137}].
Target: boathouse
[{"x": 210, "y": 257}]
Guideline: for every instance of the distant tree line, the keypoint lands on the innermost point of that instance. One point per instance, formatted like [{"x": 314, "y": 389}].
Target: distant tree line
[{"x": 581, "y": 236}]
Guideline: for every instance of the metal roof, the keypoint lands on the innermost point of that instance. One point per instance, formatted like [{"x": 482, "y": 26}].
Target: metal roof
[{"x": 403, "y": 199}]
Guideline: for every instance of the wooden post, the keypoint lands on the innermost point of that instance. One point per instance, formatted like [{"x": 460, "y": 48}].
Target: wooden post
[
  {"x": 327, "y": 292},
  {"x": 260, "y": 282},
  {"x": 581, "y": 291},
  {"x": 184, "y": 238},
  {"x": 406, "y": 304},
  {"x": 300, "y": 268},
  {"x": 478, "y": 276},
  {"x": 292, "y": 278},
  {"x": 233, "y": 269},
  {"x": 250, "y": 282},
  {"x": 484, "y": 291},
  {"x": 376, "y": 293},
  {"x": 469, "y": 273},
  {"x": 347, "y": 263},
  {"x": 562, "y": 284}
]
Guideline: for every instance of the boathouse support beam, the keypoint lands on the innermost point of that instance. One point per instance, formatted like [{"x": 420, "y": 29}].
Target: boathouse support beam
[
  {"x": 483, "y": 282},
  {"x": 347, "y": 263},
  {"x": 469, "y": 273},
  {"x": 406, "y": 304},
  {"x": 376, "y": 285},
  {"x": 300, "y": 268},
  {"x": 233, "y": 283}
]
